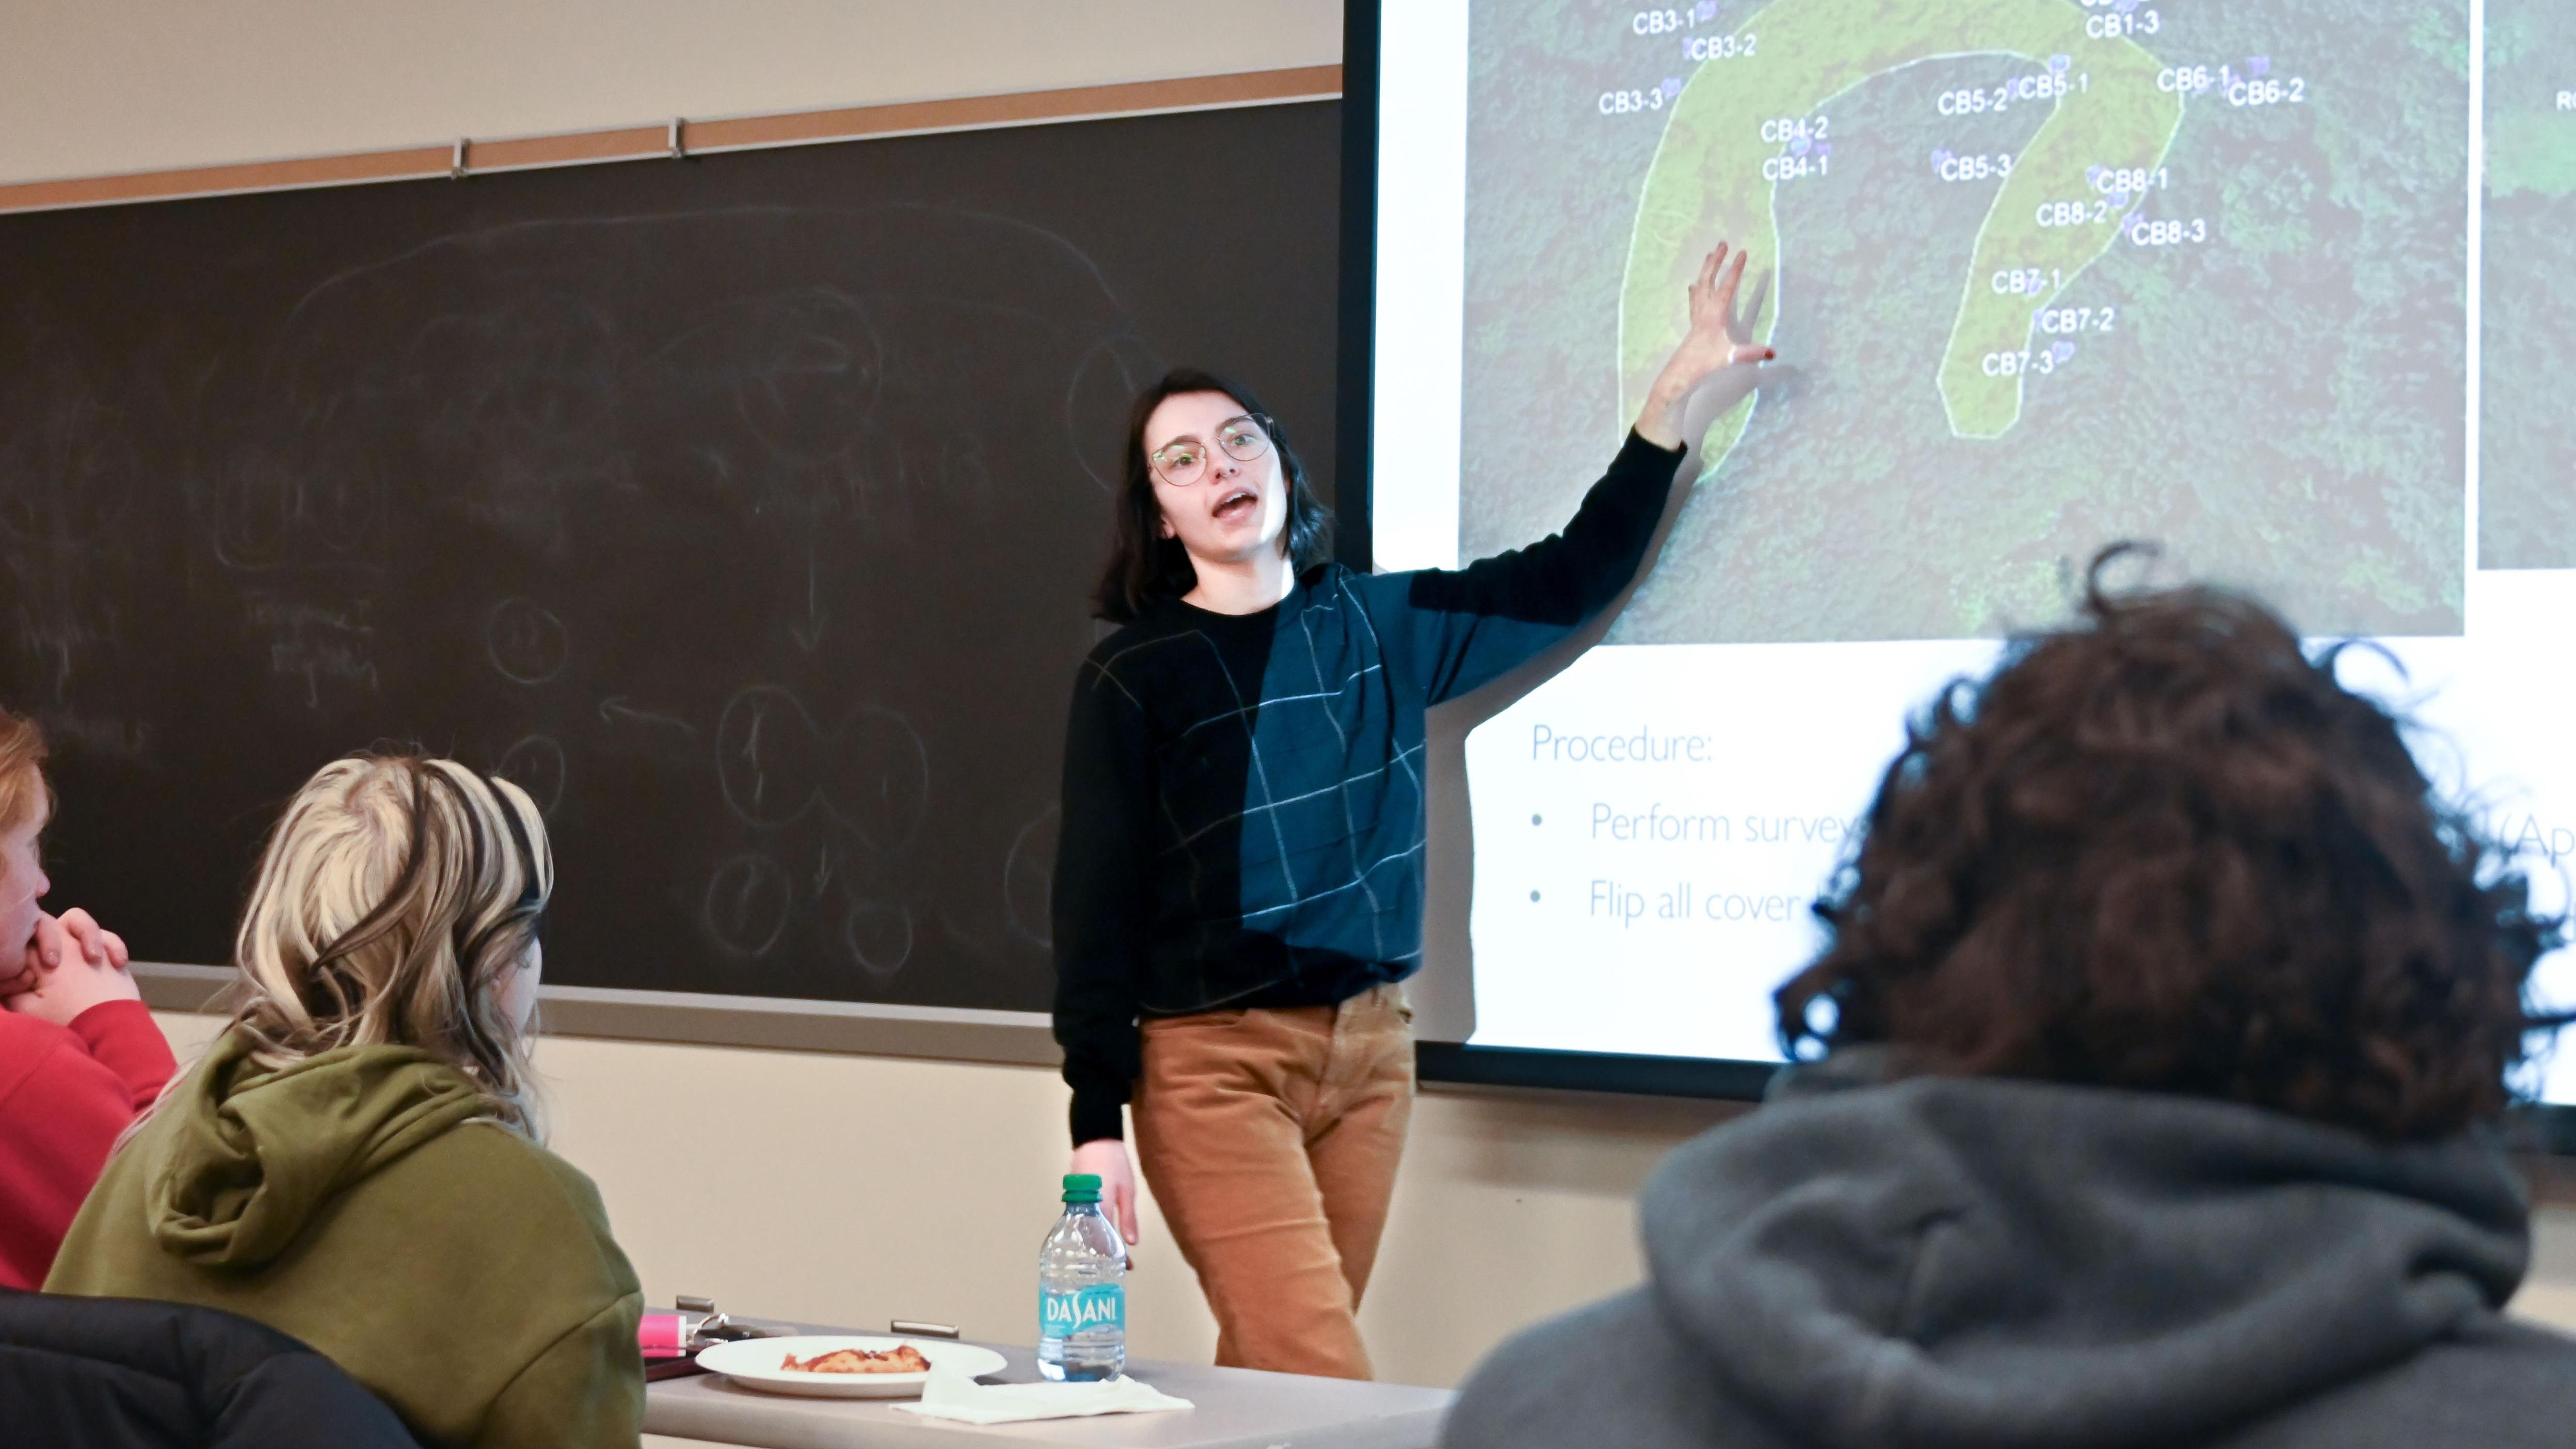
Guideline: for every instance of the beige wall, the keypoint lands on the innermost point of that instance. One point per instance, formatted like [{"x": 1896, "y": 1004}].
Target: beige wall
[
  {"x": 852, "y": 1190},
  {"x": 88, "y": 87}
]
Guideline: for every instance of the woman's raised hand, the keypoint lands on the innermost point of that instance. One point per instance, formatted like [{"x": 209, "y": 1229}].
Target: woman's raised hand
[{"x": 1712, "y": 345}]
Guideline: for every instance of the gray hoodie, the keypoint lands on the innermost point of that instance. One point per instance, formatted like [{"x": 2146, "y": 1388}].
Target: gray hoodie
[{"x": 1994, "y": 1263}]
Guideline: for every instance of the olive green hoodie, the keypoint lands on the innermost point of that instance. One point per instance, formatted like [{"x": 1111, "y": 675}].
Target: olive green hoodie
[{"x": 365, "y": 1201}]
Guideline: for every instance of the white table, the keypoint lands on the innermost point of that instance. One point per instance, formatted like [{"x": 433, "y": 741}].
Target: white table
[{"x": 1236, "y": 1409}]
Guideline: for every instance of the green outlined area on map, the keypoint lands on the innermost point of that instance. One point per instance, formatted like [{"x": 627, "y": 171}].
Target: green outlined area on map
[
  {"x": 2043, "y": 275},
  {"x": 1742, "y": 131},
  {"x": 2527, "y": 434}
]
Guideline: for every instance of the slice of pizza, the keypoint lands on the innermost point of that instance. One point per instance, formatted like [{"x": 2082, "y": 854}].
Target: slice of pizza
[{"x": 903, "y": 1358}]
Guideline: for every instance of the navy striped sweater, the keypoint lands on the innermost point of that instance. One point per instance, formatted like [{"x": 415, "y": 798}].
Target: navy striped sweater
[{"x": 1243, "y": 807}]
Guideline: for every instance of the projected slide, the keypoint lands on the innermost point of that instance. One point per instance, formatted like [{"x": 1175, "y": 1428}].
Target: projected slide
[
  {"x": 2527, "y": 446},
  {"x": 2042, "y": 273}
]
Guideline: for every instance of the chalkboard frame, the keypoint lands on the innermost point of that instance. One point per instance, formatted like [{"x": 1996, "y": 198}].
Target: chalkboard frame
[
  {"x": 847, "y": 1028},
  {"x": 791, "y": 1023}
]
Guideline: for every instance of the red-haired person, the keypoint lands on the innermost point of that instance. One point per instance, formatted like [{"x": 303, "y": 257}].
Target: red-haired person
[{"x": 79, "y": 1053}]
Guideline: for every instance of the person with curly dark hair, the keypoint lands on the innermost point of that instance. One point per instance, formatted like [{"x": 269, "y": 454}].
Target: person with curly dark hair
[{"x": 2145, "y": 1094}]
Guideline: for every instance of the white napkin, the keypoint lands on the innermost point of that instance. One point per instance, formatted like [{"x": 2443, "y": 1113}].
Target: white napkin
[{"x": 955, "y": 1396}]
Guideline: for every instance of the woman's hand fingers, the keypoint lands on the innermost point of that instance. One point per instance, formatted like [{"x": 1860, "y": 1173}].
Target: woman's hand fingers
[
  {"x": 97, "y": 945},
  {"x": 1704, "y": 290},
  {"x": 60, "y": 994},
  {"x": 1125, "y": 1198},
  {"x": 1712, "y": 344},
  {"x": 1727, "y": 283},
  {"x": 52, "y": 944},
  {"x": 1120, "y": 1180},
  {"x": 1106, "y": 1158},
  {"x": 1713, "y": 298}
]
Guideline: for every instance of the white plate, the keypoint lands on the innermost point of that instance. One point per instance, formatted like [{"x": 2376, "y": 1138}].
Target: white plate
[{"x": 754, "y": 1364}]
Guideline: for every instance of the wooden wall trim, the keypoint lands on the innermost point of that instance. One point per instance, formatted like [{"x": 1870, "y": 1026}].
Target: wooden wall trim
[
  {"x": 697, "y": 137},
  {"x": 961, "y": 1034}
]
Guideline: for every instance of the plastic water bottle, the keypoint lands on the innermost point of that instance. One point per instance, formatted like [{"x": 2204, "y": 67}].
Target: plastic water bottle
[{"x": 1082, "y": 1290}]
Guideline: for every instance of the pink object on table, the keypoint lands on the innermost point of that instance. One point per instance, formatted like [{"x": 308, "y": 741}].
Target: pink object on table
[{"x": 662, "y": 1335}]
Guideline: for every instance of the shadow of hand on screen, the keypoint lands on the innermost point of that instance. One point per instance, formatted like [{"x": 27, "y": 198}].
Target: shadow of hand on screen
[{"x": 1727, "y": 390}]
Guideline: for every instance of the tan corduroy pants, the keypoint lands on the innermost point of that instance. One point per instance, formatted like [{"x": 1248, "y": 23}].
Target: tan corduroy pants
[{"x": 1270, "y": 1140}]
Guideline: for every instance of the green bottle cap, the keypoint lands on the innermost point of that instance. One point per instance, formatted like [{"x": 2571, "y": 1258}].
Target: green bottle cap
[{"x": 1081, "y": 1187}]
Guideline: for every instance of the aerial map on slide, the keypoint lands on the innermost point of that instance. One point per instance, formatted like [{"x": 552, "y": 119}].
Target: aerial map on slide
[
  {"x": 2527, "y": 446},
  {"x": 2043, "y": 274}
]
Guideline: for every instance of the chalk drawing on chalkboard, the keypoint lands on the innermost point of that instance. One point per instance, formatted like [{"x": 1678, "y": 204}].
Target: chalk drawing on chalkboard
[
  {"x": 617, "y": 710},
  {"x": 339, "y": 507},
  {"x": 632, "y": 403},
  {"x": 73, "y": 443},
  {"x": 526, "y": 643},
  {"x": 320, "y": 505},
  {"x": 748, "y": 900},
  {"x": 805, "y": 368},
  {"x": 804, "y": 399},
  {"x": 546, "y": 363},
  {"x": 879, "y": 937},
  {"x": 535, "y": 764},
  {"x": 1028, "y": 880},
  {"x": 500, "y": 417},
  {"x": 252, "y": 502},
  {"x": 1105, "y": 382},
  {"x": 67, "y": 463},
  {"x": 318, "y": 645},
  {"x": 964, "y": 476},
  {"x": 869, "y": 771},
  {"x": 809, "y": 633}
]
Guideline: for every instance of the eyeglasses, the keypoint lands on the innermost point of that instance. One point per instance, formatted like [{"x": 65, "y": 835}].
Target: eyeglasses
[{"x": 1182, "y": 462}]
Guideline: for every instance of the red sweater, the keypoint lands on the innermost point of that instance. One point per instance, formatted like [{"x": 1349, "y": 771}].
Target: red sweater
[{"x": 64, "y": 1096}]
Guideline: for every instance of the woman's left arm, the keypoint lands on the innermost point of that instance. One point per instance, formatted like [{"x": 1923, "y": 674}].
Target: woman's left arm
[{"x": 1474, "y": 624}]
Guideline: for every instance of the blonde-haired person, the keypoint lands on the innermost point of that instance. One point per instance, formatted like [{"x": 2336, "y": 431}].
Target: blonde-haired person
[
  {"x": 79, "y": 1054},
  {"x": 355, "y": 1161}
]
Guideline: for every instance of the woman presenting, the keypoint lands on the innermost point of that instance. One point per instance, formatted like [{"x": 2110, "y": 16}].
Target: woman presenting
[{"x": 1238, "y": 892}]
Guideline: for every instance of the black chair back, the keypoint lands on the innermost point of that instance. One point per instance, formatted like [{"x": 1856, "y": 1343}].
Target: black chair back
[{"x": 122, "y": 1373}]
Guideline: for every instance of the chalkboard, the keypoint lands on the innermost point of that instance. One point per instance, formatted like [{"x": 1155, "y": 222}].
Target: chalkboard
[{"x": 742, "y": 508}]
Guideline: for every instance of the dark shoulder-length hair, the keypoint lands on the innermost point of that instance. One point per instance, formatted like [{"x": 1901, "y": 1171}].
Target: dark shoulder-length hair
[
  {"x": 2166, "y": 850},
  {"x": 1143, "y": 564}
]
